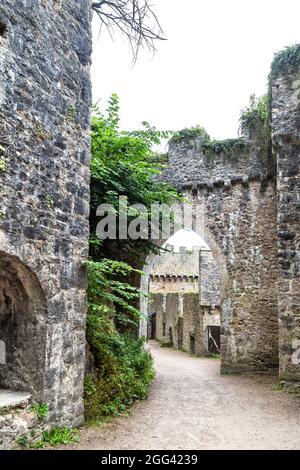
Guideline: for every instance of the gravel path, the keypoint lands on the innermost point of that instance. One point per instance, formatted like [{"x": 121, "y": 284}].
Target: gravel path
[{"x": 191, "y": 406}]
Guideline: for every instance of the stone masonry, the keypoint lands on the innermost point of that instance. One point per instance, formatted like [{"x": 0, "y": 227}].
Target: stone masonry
[
  {"x": 45, "y": 100},
  {"x": 285, "y": 87},
  {"x": 250, "y": 197},
  {"x": 183, "y": 302},
  {"x": 238, "y": 194}
]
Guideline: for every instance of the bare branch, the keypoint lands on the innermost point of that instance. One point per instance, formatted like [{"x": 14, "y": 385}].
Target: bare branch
[{"x": 134, "y": 18}]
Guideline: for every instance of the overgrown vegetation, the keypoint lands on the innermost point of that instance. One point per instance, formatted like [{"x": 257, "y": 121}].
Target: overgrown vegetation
[
  {"x": 289, "y": 57},
  {"x": 123, "y": 368},
  {"x": 55, "y": 437},
  {"x": 123, "y": 164},
  {"x": 40, "y": 409},
  {"x": 188, "y": 134},
  {"x": 232, "y": 147},
  {"x": 58, "y": 436},
  {"x": 255, "y": 123},
  {"x": 278, "y": 387},
  {"x": 255, "y": 117},
  {"x": 228, "y": 147}
]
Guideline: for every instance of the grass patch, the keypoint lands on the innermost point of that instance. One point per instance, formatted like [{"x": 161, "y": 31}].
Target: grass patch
[
  {"x": 40, "y": 409},
  {"x": 213, "y": 356},
  {"x": 53, "y": 438},
  {"x": 278, "y": 387}
]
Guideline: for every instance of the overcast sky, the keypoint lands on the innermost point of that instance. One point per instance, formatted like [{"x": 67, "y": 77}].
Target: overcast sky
[{"x": 218, "y": 52}]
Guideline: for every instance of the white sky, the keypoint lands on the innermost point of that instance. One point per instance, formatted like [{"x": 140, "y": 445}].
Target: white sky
[
  {"x": 218, "y": 52},
  {"x": 187, "y": 238}
]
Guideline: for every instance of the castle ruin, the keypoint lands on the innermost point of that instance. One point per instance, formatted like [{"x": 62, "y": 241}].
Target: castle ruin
[{"x": 251, "y": 200}]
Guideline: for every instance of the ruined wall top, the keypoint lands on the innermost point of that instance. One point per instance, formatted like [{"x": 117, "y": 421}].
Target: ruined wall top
[{"x": 191, "y": 161}]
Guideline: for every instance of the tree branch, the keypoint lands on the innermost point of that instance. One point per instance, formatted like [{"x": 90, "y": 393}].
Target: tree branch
[{"x": 134, "y": 18}]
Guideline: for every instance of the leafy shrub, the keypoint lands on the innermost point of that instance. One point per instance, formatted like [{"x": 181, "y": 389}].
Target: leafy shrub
[
  {"x": 255, "y": 122},
  {"x": 191, "y": 133},
  {"x": 255, "y": 115},
  {"x": 123, "y": 368},
  {"x": 22, "y": 440},
  {"x": 123, "y": 374},
  {"x": 124, "y": 164}
]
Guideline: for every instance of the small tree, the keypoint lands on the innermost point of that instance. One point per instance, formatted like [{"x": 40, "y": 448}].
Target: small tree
[{"x": 134, "y": 18}]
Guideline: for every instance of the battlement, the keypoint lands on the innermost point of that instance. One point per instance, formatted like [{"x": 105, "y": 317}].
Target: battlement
[{"x": 190, "y": 166}]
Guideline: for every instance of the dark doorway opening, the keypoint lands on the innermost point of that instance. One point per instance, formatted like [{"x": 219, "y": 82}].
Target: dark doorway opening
[
  {"x": 192, "y": 344},
  {"x": 213, "y": 334},
  {"x": 171, "y": 341},
  {"x": 180, "y": 333},
  {"x": 2, "y": 29},
  {"x": 23, "y": 316},
  {"x": 153, "y": 326}
]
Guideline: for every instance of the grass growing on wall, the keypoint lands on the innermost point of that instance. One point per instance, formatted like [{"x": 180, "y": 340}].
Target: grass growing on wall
[{"x": 289, "y": 57}]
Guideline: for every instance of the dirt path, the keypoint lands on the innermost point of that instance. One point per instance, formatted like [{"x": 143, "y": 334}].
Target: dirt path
[{"x": 192, "y": 407}]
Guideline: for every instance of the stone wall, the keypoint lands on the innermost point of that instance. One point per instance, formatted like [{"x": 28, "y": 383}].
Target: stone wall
[
  {"x": 185, "y": 263},
  {"x": 238, "y": 193},
  {"x": 45, "y": 99},
  {"x": 190, "y": 162},
  {"x": 286, "y": 143},
  {"x": 243, "y": 221},
  {"x": 169, "y": 283},
  {"x": 19, "y": 421},
  {"x": 209, "y": 279},
  {"x": 178, "y": 320}
]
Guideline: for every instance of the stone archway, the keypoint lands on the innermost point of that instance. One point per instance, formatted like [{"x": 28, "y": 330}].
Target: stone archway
[
  {"x": 203, "y": 308},
  {"x": 22, "y": 327}
]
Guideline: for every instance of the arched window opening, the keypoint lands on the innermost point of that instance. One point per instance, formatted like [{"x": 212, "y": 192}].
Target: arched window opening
[{"x": 22, "y": 328}]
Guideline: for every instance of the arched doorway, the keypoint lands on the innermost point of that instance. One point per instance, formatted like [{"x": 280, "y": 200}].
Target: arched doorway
[
  {"x": 185, "y": 291},
  {"x": 22, "y": 328}
]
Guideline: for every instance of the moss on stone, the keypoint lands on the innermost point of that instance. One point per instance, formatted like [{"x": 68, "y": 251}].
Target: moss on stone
[{"x": 228, "y": 147}]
